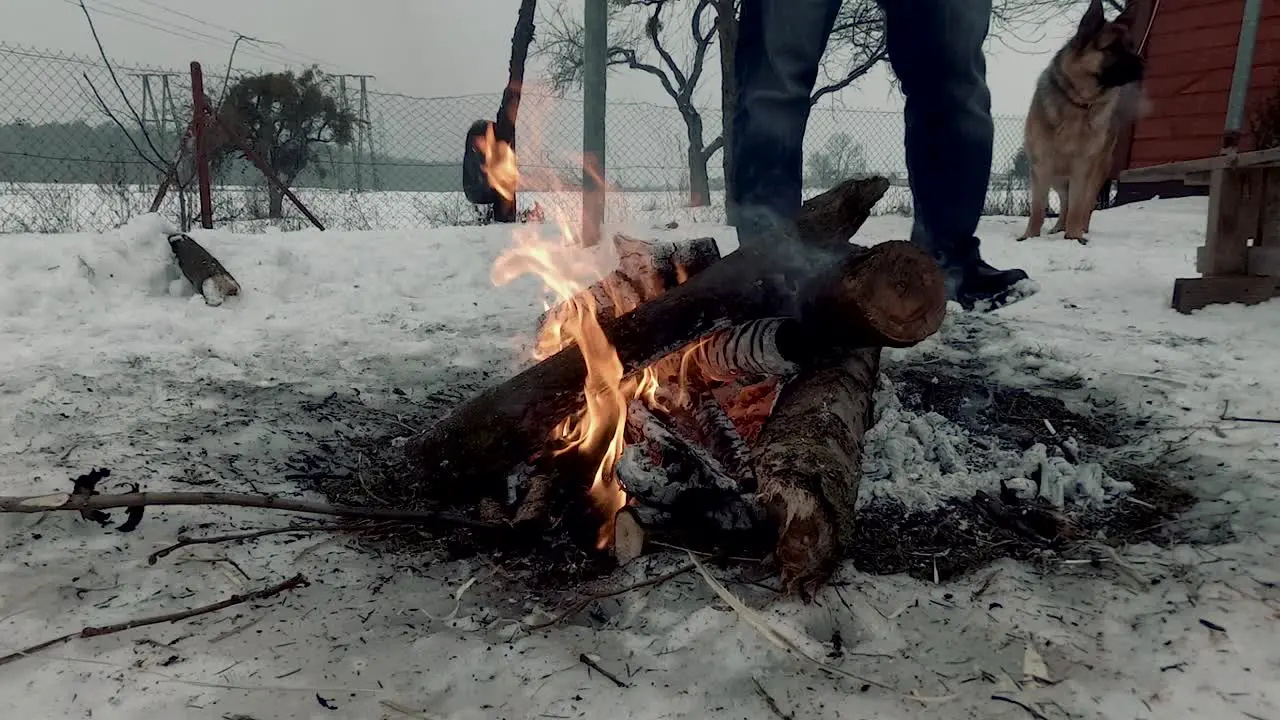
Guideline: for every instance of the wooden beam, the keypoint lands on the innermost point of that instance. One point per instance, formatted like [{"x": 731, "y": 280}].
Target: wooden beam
[
  {"x": 1191, "y": 294},
  {"x": 1227, "y": 234},
  {"x": 1264, "y": 261},
  {"x": 1179, "y": 170}
]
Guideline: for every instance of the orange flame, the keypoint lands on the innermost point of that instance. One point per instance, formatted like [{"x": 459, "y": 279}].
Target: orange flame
[
  {"x": 499, "y": 164},
  {"x": 566, "y": 270}
]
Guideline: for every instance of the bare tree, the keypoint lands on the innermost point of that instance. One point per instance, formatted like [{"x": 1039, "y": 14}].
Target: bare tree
[
  {"x": 840, "y": 158},
  {"x": 639, "y": 40}
]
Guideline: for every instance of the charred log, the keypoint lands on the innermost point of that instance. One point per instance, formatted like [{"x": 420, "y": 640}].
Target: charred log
[
  {"x": 808, "y": 463},
  {"x": 833, "y": 217},
  {"x": 646, "y": 269},
  {"x": 203, "y": 270}
]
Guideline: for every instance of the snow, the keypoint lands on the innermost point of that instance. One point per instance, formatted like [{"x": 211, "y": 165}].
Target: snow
[{"x": 110, "y": 359}]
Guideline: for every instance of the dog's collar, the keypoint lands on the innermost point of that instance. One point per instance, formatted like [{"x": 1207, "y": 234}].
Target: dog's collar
[{"x": 1066, "y": 90}]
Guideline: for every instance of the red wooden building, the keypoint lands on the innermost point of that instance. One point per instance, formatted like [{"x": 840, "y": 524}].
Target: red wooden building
[
  {"x": 1210, "y": 65},
  {"x": 1190, "y": 47}
]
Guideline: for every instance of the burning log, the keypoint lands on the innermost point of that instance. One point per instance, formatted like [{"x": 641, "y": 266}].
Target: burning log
[
  {"x": 808, "y": 463},
  {"x": 203, "y": 270},
  {"x": 726, "y": 444},
  {"x": 890, "y": 295},
  {"x": 646, "y": 269}
]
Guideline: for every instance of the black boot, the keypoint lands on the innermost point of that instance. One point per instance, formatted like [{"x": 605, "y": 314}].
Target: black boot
[{"x": 979, "y": 285}]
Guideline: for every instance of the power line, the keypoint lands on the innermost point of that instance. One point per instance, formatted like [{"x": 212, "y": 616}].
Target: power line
[
  {"x": 193, "y": 18},
  {"x": 130, "y": 16}
]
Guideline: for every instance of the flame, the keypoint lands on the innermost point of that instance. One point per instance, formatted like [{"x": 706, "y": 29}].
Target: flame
[
  {"x": 499, "y": 163},
  {"x": 566, "y": 269}
]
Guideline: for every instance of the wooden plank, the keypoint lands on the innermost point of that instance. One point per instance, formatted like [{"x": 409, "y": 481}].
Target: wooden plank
[
  {"x": 1227, "y": 234},
  {"x": 1175, "y": 170},
  {"x": 1268, "y": 232},
  {"x": 1191, "y": 294},
  {"x": 1265, "y": 261}
]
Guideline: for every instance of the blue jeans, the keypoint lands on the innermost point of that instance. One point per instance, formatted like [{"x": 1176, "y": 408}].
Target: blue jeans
[{"x": 935, "y": 48}]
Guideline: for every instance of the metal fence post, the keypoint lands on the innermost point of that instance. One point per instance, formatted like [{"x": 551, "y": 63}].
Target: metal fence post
[
  {"x": 199, "y": 116},
  {"x": 595, "y": 40}
]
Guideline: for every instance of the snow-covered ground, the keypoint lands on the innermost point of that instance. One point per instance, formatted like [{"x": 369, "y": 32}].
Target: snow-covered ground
[{"x": 107, "y": 360}]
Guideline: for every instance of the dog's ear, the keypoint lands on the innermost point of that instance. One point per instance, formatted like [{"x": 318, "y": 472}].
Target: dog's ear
[
  {"x": 1129, "y": 16},
  {"x": 1093, "y": 22}
]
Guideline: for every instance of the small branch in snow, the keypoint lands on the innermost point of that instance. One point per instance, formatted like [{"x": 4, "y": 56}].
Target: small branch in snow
[
  {"x": 1226, "y": 404},
  {"x": 292, "y": 583},
  {"x": 770, "y": 702},
  {"x": 187, "y": 541},
  {"x": 582, "y": 604},
  {"x": 77, "y": 503},
  {"x": 586, "y": 660},
  {"x": 1034, "y": 713}
]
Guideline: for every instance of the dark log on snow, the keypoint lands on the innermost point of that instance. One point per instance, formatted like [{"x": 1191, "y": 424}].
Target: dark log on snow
[
  {"x": 890, "y": 295},
  {"x": 808, "y": 463},
  {"x": 203, "y": 270}
]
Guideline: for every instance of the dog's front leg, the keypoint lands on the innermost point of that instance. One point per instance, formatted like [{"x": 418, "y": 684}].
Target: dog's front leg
[
  {"x": 1080, "y": 198},
  {"x": 1062, "y": 189},
  {"x": 1039, "y": 189}
]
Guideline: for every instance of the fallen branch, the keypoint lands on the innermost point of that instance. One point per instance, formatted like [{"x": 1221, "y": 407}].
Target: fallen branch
[
  {"x": 187, "y": 541},
  {"x": 89, "y": 632},
  {"x": 586, "y": 660},
  {"x": 1032, "y": 711},
  {"x": 70, "y": 502}
]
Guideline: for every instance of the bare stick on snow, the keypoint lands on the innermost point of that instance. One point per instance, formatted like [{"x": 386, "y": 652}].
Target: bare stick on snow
[
  {"x": 69, "y": 502},
  {"x": 188, "y": 541},
  {"x": 292, "y": 583},
  {"x": 582, "y": 604}
]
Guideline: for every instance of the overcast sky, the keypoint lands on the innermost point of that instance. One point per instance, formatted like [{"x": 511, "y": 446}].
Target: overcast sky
[{"x": 416, "y": 47}]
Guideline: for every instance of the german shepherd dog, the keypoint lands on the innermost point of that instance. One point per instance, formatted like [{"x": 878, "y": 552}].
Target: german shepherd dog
[{"x": 1090, "y": 89}]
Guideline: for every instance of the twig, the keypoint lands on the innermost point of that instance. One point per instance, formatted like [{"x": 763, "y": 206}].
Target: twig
[
  {"x": 1034, "y": 712},
  {"x": 127, "y": 136},
  {"x": 1226, "y": 404},
  {"x": 585, "y": 660},
  {"x": 186, "y": 541},
  {"x": 986, "y": 585},
  {"x": 782, "y": 642},
  {"x": 89, "y": 632},
  {"x": 69, "y": 502},
  {"x": 586, "y": 601},
  {"x": 770, "y": 702},
  {"x": 114, "y": 78}
]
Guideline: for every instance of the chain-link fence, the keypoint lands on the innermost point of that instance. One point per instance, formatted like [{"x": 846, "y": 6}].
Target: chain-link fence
[{"x": 82, "y": 147}]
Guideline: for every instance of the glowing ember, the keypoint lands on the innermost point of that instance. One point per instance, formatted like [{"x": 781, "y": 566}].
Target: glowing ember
[{"x": 566, "y": 270}]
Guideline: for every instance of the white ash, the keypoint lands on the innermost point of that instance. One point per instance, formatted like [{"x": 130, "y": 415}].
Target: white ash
[{"x": 925, "y": 460}]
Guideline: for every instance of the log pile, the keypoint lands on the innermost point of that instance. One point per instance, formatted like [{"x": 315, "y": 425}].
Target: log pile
[{"x": 766, "y": 364}]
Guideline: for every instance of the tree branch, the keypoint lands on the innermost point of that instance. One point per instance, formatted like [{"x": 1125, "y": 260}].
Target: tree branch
[
  {"x": 292, "y": 583},
  {"x": 702, "y": 43},
  {"x": 631, "y": 60},
  {"x": 850, "y": 77},
  {"x": 714, "y": 147},
  {"x": 120, "y": 88},
  {"x": 69, "y": 502},
  {"x": 653, "y": 30}
]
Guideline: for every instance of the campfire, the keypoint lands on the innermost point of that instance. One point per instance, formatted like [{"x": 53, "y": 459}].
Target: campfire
[{"x": 677, "y": 394}]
